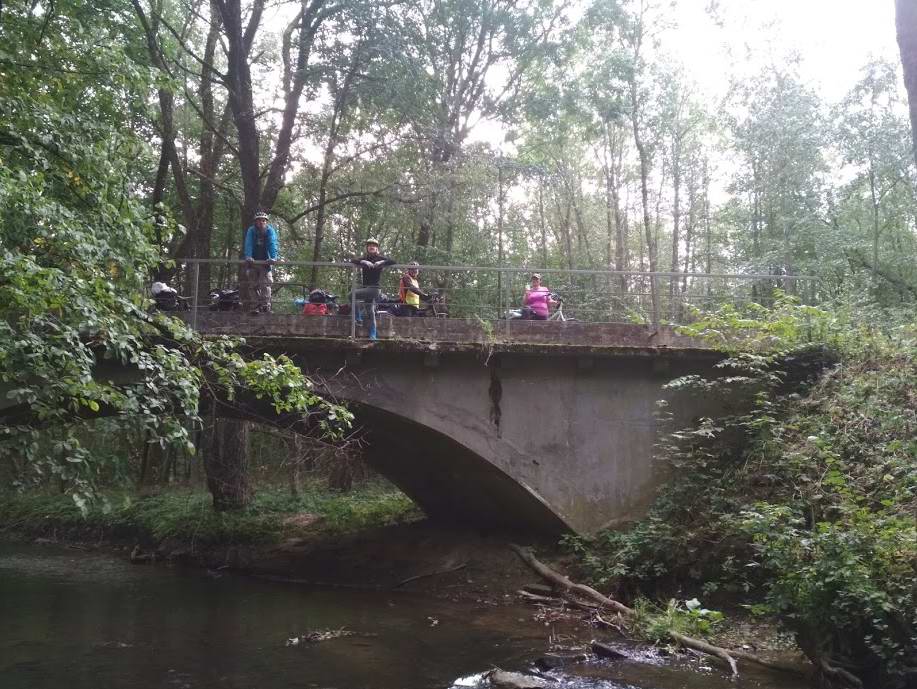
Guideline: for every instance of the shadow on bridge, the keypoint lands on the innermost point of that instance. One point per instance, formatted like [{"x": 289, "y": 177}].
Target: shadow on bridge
[{"x": 451, "y": 483}]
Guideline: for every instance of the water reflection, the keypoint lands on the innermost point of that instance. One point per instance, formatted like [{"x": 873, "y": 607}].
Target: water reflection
[{"x": 74, "y": 620}]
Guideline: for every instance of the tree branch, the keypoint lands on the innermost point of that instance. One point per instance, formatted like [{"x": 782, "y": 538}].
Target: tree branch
[
  {"x": 334, "y": 199},
  {"x": 565, "y": 585}
]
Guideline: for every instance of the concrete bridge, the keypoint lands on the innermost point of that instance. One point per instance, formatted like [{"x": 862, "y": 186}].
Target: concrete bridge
[{"x": 519, "y": 424}]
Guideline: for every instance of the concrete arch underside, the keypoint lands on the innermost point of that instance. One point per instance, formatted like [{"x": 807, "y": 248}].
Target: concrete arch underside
[
  {"x": 450, "y": 482},
  {"x": 544, "y": 442}
]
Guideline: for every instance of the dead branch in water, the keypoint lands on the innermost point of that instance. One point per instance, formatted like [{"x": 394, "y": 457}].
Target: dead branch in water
[
  {"x": 556, "y": 602},
  {"x": 566, "y": 585},
  {"x": 430, "y": 574}
]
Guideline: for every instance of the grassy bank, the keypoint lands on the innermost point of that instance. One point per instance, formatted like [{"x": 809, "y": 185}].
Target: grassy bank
[{"x": 186, "y": 516}]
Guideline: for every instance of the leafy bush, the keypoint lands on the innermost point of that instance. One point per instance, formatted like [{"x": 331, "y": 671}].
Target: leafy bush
[
  {"x": 655, "y": 623},
  {"x": 806, "y": 501}
]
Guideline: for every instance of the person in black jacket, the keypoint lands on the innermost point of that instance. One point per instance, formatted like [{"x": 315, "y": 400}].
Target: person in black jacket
[{"x": 372, "y": 262}]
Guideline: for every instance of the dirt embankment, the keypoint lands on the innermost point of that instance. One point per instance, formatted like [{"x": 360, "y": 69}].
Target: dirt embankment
[{"x": 419, "y": 556}]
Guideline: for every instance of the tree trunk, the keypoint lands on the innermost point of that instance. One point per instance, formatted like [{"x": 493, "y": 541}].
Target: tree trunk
[
  {"x": 689, "y": 231},
  {"x": 500, "y": 234},
  {"x": 144, "y": 461},
  {"x": 241, "y": 103},
  {"x": 210, "y": 150},
  {"x": 227, "y": 466},
  {"x": 708, "y": 238},
  {"x": 649, "y": 233},
  {"x": 542, "y": 225},
  {"x": 906, "y": 29},
  {"x": 439, "y": 157},
  {"x": 239, "y": 84},
  {"x": 320, "y": 215},
  {"x": 342, "y": 472},
  {"x": 614, "y": 153},
  {"x": 622, "y": 258},
  {"x": 676, "y": 224}
]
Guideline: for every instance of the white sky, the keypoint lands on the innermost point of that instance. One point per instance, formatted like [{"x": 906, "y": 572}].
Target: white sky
[{"x": 834, "y": 39}]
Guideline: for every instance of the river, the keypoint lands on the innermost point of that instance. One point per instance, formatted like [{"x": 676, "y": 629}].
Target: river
[{"x": 71, "y": 619}]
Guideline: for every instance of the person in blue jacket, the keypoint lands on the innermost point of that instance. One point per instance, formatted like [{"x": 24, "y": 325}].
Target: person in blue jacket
[{"x": 260, "y": 253}]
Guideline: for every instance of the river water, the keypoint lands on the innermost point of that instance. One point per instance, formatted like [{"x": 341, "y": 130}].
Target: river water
[{"x": 76, "y": 620}]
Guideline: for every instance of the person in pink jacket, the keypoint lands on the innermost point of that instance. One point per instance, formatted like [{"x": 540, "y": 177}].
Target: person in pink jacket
[{"x": 538, "y": 299}]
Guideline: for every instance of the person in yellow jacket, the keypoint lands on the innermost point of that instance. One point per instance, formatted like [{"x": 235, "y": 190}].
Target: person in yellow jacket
[{"x": 409, "y": 290}]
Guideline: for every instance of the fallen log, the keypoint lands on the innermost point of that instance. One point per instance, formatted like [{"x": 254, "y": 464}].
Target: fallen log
[
  {"x": 600, "y": 621},
  {"x": 704, "y": 647},
  {"x": 556, "y": 602},
  {"x": 551, "y": 661},
  {"x": 566, "y": 585},
  {"x": 606, "y": 651}
]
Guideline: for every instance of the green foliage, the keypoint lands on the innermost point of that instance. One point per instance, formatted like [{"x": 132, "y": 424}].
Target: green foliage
[
  {"x": 277, "y": 379},
  {"x": 805, "y": 501},
  {"x": 74, "y": 243},
  {"x": 846, "y": 585},
  {"x": 787, "y": 323},
  {"x": 687, "y": 617},
  {"x": 77, "y": 247},
  {"x": 189, "y": 518}
]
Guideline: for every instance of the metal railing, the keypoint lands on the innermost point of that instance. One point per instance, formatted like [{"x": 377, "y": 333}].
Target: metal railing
[{"x": 492, "y": 293}]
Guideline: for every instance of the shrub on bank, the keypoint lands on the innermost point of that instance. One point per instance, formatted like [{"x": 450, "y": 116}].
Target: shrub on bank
[{"x": 804, "y": 506}]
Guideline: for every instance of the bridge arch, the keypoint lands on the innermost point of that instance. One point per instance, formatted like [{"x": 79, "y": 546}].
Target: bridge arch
[
  {"x": 451, "y": 482},
  {"x": 560, "y": 416},
  {"x": 550, "y": 440}
]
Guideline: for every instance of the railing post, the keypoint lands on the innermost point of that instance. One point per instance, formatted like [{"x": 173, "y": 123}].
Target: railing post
[
  {"x": 353, "y": 303},
  {"x": 194, "y": 301}
]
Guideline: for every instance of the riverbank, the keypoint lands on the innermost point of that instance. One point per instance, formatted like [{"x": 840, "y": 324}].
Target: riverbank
[
  {"x": 88, "y": 619},
  {"x": 373, "y": 538}
]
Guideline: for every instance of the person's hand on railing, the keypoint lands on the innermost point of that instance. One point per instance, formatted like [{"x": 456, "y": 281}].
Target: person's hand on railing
[
  {"x": 271, "y": 261},
  {"x": 249, "y": 259}
]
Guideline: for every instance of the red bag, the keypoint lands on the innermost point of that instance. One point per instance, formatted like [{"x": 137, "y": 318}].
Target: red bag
[{"x": 311, "y": 309}]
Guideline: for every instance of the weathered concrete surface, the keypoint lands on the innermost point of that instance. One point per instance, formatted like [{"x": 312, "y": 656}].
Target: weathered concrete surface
[
  {"x": 447, "y": 330},
  {"x": 553, "y": 441},
  {"x": 515, "y": 434}
]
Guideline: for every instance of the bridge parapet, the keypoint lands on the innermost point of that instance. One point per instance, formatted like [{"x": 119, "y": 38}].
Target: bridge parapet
[
  {"x": 492, "y": 293},
  {"x": 569, "y": 335}
]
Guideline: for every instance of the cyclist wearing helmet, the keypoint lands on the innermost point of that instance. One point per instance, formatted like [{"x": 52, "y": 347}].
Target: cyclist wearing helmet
[
  {"x": 372, "y": 262},
  {"x": 260, "y": 245},
  {"x": 537, "y": 299},
  {"x": 409, "y": 290}
]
